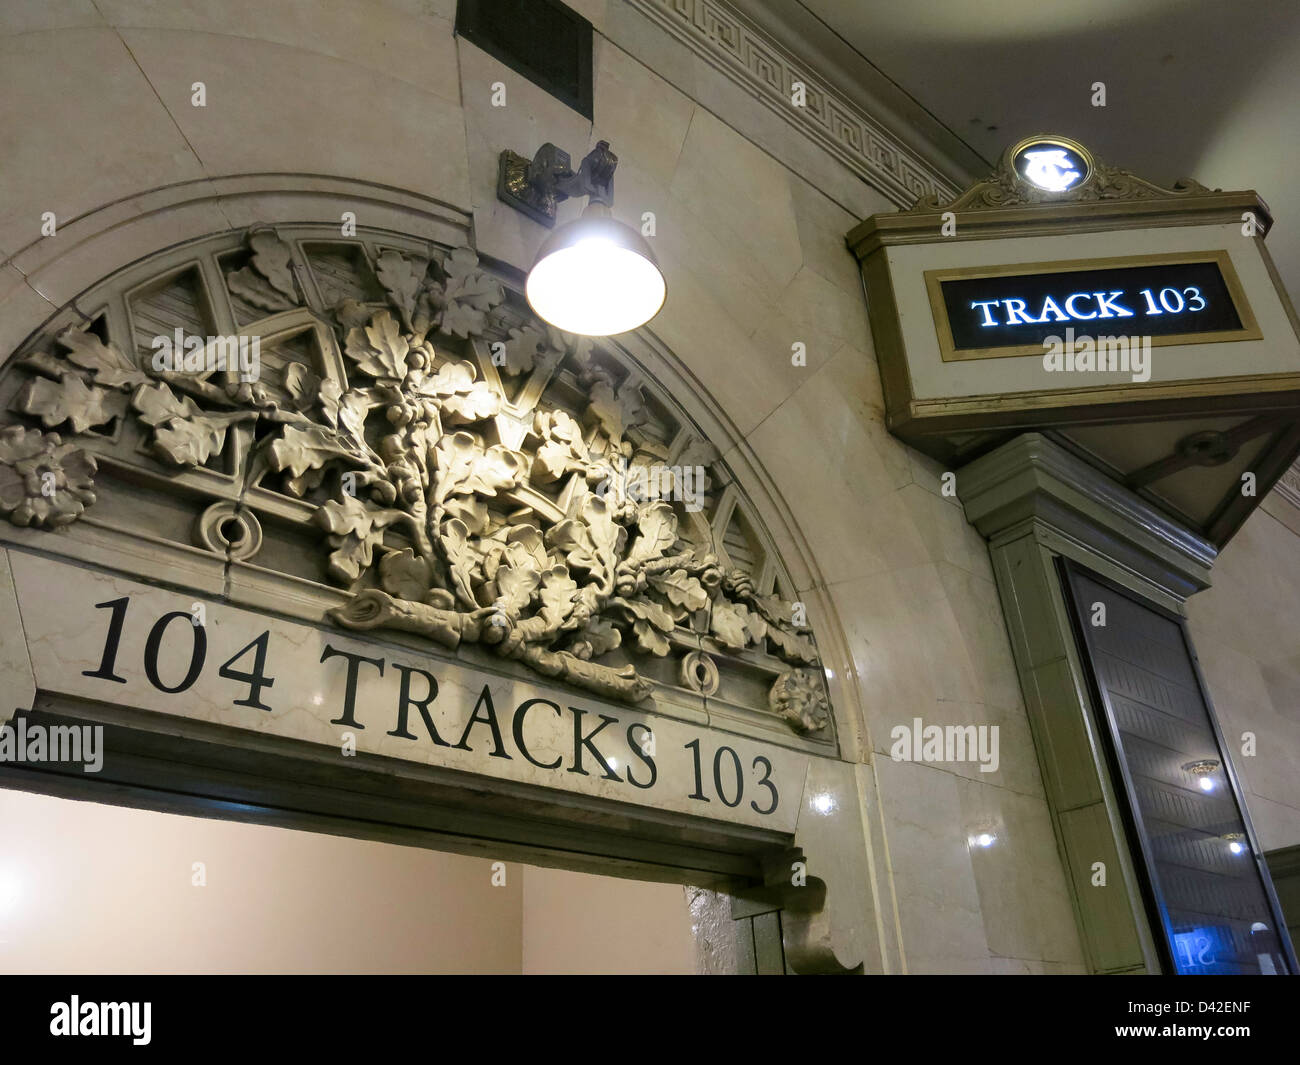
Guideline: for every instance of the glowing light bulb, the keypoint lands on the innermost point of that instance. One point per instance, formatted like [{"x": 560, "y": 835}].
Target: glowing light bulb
[
  {"x": 1050, "y": 169},
  {"x": 596, "y": 277},
  {"x": 1051, "y": 163}
]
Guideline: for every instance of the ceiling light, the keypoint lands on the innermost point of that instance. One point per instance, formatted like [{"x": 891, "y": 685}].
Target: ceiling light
[
  {"x": 1201, "y": 770},
  {"x": 594, "y": 276},
  {"x": 1235, "y": 841}
]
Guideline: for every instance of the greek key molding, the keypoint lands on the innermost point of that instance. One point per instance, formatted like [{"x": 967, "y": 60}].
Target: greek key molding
[
  {"x": 1288, "y": 485},
  {"x": 749, "y": 57}
]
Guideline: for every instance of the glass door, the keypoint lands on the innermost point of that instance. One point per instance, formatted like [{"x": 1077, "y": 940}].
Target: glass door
[{"x": 1209, "y": 887}]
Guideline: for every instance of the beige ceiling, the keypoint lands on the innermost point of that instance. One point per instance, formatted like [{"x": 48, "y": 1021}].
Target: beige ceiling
[{"x": 1207, "y": 89}]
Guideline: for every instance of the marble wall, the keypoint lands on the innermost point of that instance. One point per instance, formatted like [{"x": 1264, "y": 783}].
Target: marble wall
[
  {"x": 265, "y": 899},
  {"x": 1244, "y": 630},
  {"x": 92, "y": 888},
  {"x": 96, "y": 106},
  {"x": 626, "y": 926}
]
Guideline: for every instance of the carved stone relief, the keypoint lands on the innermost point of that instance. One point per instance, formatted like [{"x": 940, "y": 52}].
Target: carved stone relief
[
  {"x": 1003, "y": 188},
  {"x": 467, "y": 473}
]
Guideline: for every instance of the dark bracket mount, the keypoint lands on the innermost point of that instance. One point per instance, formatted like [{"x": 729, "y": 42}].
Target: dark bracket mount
[{"x": 536, "y": 186}]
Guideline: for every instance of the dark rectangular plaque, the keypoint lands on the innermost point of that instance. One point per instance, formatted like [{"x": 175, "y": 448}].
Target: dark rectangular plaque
[
  {"x": 543, "y": 40},
  {"x": 1194, "y": 298}
]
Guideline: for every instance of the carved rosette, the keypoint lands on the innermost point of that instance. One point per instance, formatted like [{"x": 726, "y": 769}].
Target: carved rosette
[
  {"x": 799, "y": 697},
  {"x": 471, "y": 472},
  {"x": 43, "y": 481}
]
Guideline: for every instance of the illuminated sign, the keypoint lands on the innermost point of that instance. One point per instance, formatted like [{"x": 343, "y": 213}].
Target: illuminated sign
[
  {"x": 1179, "y": 299},
  {"x": 1051, "y": 164}
]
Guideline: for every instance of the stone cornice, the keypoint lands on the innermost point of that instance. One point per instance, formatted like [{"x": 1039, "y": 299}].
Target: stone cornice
[
  {"x": 735, "y": 45},
  {"x": 1034, "y": 478}
]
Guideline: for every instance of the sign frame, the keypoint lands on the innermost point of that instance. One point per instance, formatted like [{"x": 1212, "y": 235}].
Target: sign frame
[{"x": 949, "y": 352}]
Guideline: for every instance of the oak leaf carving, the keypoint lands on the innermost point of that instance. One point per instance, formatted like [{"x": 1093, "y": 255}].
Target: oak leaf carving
[
  {"x": 302, "y": 451},
  {"x": 593, "y": 542},
  {"x": 69, "y": 400},
  {"x": 522, "y": 350},
  {"x": 379, "y": 349},
  {"x": 466, "y": 469},
  {"x": 599, "y": 637},
  {"x": 735, "y": 625},
  {"x": 108, "y": 366},
  {"x": 462, "y": 559},
  {"x": 354, "y": 530},
  {"x": 465, "y": 295},
  {"x": 557, "y": 594},
  {"x": 651, "y": 622},
  {"x": 656, "y": 532},
  {"x": 616, "y": 411},
  {"x": 515, "y": 588},
  {"x": 182, "y": 433},
  {"x": 267, "y": 280},
  {"x": 401, "y": 278},
  {"x": 682, "y": 590},
  {"x": 461, "y": 399},
  {"x": 405, "y": 574},
  {"x": 562, "y": 450}
]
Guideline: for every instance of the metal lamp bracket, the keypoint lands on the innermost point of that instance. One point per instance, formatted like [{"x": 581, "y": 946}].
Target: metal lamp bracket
[{"x": 535, "y": 186}]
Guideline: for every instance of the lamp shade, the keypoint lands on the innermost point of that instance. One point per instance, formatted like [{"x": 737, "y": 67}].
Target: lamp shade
[{"x": 596, "y": 276}]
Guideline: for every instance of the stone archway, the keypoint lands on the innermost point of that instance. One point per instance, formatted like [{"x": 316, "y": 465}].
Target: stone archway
[{"x": 415, "y": 454}]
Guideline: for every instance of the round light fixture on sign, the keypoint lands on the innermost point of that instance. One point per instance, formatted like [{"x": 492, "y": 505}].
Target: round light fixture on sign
[
  {"x": 596, "y": 277},
  {"x": 1051, "y": 164}
]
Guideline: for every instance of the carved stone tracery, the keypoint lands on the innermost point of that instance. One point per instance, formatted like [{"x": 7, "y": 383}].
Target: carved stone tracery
[{"x": 470, "y": 470}]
